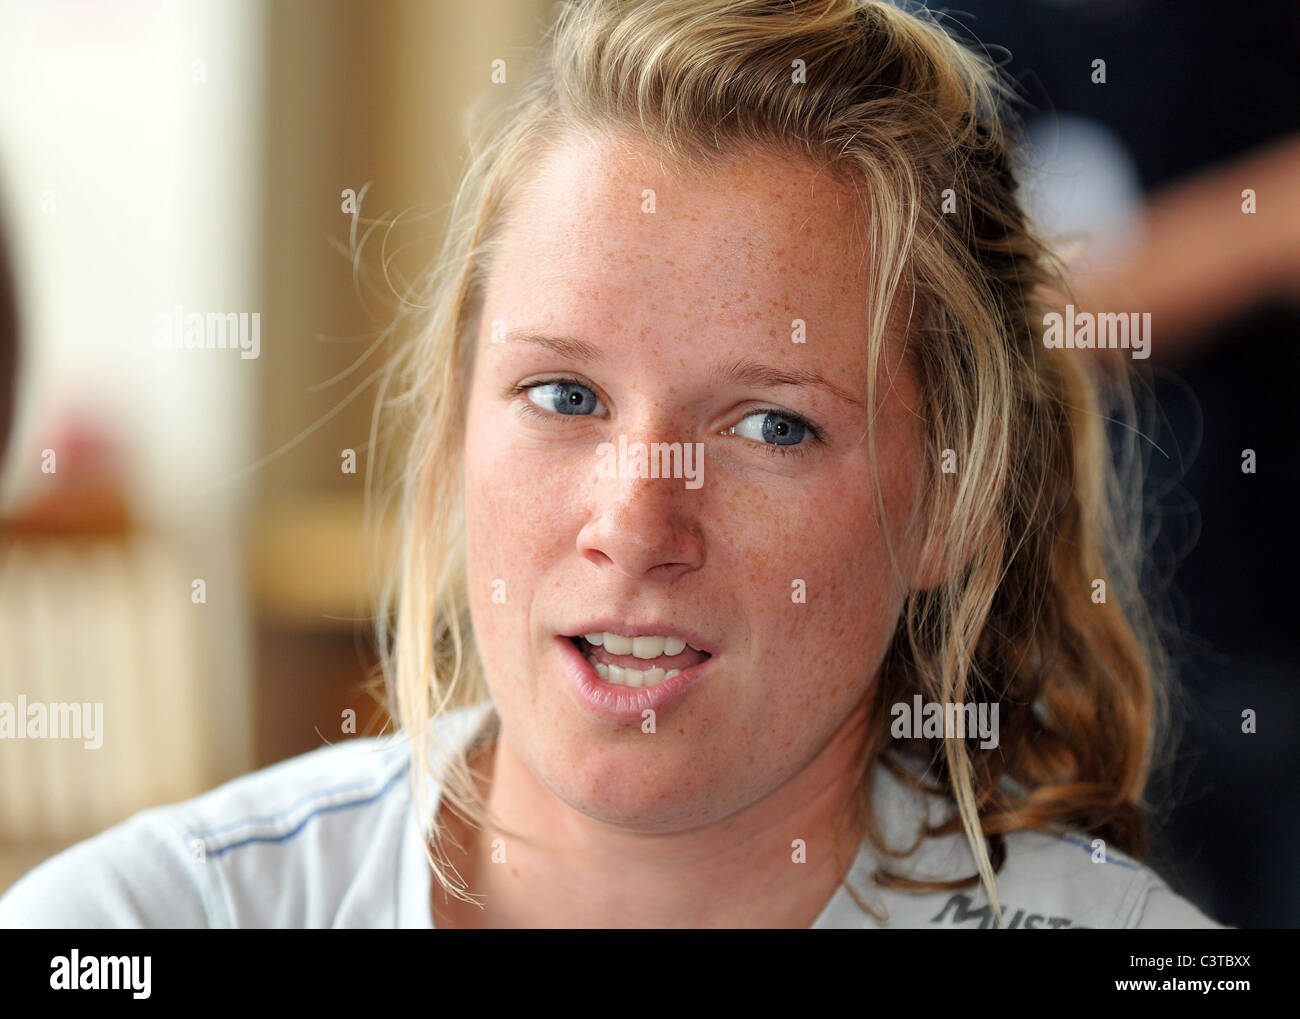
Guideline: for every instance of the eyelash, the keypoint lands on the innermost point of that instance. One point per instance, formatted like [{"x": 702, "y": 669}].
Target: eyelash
[{"x": 527, "y": 407}]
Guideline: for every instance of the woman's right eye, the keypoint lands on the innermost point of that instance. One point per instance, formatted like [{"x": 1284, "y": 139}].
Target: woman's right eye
[{"x": 564, "y": 396}]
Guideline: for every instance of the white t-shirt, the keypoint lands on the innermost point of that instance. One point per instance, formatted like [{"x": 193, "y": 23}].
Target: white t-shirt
[{"x": 331, "y": 839}]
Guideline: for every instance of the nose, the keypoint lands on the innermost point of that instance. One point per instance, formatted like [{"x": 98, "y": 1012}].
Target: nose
[{"x": 644, "y": 527}]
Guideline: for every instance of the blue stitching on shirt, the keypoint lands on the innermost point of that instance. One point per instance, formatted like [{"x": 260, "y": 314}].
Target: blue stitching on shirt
[
  {"x": 272, "y": 818},
  {"x": 329, "y": 809},
  {"x": 1088, "y": 846}
]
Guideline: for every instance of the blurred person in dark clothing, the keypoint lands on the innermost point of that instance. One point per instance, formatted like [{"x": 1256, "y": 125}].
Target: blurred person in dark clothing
[{"x": 1205, "y": 101}]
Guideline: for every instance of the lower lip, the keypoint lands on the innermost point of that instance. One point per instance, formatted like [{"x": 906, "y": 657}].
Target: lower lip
[{"x": 618, "y": 703}]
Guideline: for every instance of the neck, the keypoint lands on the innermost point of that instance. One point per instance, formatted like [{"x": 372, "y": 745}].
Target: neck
[{"x": 775, "y": 863}]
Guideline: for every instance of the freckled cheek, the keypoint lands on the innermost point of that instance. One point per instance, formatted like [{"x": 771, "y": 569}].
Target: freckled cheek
[
  {"x": 515, "y": 532},
  {"x": 819, "y": 582},
  {"x": 499, "y": 535}
]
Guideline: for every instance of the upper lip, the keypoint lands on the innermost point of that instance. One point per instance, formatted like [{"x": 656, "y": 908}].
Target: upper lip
[{"x": 650, "y": 629}]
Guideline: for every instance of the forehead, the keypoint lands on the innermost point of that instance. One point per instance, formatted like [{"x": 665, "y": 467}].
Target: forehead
[{"x": 605, "y": 224}]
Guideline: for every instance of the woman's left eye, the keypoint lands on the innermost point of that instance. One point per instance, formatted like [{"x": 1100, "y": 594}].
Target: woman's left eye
[
  {"x": 779, "y": 430},
  {"x": 563, "y": 397}
]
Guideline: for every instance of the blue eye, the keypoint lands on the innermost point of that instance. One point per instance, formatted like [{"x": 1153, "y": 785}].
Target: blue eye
[
  {"x": 776, "y": 432},
  {"x": 564, "y": 397},
  {"x": 774, "y": 428}
]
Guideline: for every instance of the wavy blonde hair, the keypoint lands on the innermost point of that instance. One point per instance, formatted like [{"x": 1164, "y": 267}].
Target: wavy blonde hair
[{"x": 1043, "y": 504}]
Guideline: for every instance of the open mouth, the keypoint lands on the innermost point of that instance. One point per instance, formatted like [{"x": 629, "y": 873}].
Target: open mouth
[{"x": 638, "y": 661}]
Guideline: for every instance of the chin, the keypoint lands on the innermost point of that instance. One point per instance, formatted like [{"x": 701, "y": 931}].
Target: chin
[{"x": 616, "y": 789}]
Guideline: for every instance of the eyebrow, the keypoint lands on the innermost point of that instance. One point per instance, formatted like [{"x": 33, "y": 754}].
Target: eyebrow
[{"x": 744, "y": 370}]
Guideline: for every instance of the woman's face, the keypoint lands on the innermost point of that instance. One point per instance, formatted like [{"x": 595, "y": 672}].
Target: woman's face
[{"x": 768, "y": 552}]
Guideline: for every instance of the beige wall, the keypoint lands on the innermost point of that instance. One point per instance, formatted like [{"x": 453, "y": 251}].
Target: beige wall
[
  {"x": 236, "y": 200},
  {"x": 359, "y": 95}
]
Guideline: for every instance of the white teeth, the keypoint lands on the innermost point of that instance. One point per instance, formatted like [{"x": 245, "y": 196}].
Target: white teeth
[
  {"x": 640, "y": 647},
  {"x": 633, "y": 677},
  {"x": 645, "y": 648},
  {"x": 616, "y": 644},
  {"x": 648, "y": 647}
]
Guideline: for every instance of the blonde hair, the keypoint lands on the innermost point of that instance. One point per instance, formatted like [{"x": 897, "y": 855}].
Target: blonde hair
[{"x": 908, "y": 117}]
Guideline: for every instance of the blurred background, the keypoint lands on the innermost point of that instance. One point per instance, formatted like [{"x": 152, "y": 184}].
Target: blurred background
[
  {"x": 181, "y": 527},
  {"x": 157, "y": 154}
]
